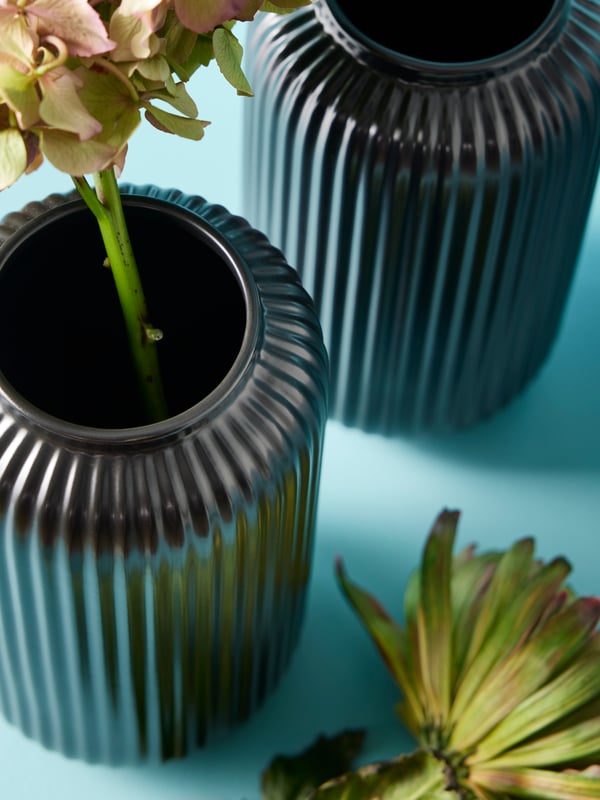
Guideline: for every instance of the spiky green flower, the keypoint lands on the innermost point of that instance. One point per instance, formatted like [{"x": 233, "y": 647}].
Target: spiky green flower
[{"x": 498, "y": 662}]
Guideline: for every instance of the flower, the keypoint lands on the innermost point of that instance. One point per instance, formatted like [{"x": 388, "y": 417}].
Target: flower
[
  {"x": 76, "y": 78},
  {"x": 73, "y": 22},
  {"x": 498, "y": 662},
  {"x": 40, "y": 95},
  {"x": 133, "y": 26}
]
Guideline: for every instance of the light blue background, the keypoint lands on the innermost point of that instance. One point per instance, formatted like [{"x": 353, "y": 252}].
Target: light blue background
[{"x": 534, "y": 469}]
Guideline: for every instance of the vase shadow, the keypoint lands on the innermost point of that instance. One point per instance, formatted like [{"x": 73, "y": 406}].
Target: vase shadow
[{"x": 553, "y": 424}]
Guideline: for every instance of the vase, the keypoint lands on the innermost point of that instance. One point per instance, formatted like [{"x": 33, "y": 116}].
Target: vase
[
  {"x": 152, "y": 577},
  {"x": 431, "y": 181}
]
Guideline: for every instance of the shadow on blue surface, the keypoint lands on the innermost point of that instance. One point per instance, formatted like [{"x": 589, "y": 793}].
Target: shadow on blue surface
[{"x": 555, "y": 423}]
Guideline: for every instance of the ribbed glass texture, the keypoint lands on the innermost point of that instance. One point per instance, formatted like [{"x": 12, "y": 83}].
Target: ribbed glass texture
[
  {"x": 153, "y": 580},
  {"x": 435, "y": 211}
]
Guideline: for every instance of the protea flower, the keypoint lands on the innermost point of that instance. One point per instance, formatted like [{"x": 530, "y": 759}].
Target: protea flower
[
  {"x": 499, "y": 666},
  {"x": 498, "y": 662}
]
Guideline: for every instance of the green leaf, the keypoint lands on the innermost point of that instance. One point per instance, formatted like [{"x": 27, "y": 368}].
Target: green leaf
[
  {"x": 434, "y": 616},
  {"x": 205, "y": 15},
  {"x": 550, "y": 649},
  {"x": 179, "y": 99},
  {"x": 61, "y": 107},
  {"x": 68, "y": 154},
  {"x": 155, "y": 69},
  {"x": 201, "y": 55},
  {"x": 570, "y": 690},
  {"x": 179, "y": 44},
  {"x": 529, "y": 602},
  {"x": 294, "y": 777},
  {"x": 228, "y": 54},
  {"x": 13, "y": 157},
  {"x": 578, "y": 744},
  {"x": 20, "y": 93},
  {"x": 512, "y": 569},
  {"x": 173, "y": 123},
  {"x": 419, "y": 776},
  {"x": 387, "y": 635},
  {"x": 283, "y": 6},
  {"x": 108, "y": 101},
  {"x": 540, "y": 784},
  {"x": 471, "y": 576}
]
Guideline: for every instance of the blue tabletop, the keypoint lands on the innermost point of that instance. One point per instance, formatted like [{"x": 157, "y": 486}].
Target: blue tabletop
[{"x": 531, "y": 470}]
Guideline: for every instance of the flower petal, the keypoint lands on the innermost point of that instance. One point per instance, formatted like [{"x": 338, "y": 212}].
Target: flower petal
[
  {"x": 61, "y": 107},
  {"x": 18, "y": 92},
  {"x": 205, "y": 16},
  {"x": 520, "y": 616},
  {"x": 18, "y": 40},
  {"x": 108, "y": 101},
  {"x": 75, "y": 22},
  {"x": 563, "y": 638},
  {"x": 13, "y": 157},
  {"x": 573, "y": 689},
  {"x": 285, "y": 5},
  {"x": 391, "y": 642},
  {"x": 434, "y": 622},
  {"x": 540, "y": 784},
  {"x": 133, "y": 27},
  {"x": 579, "y": 744},
  {"x": 68, "y": 154}
]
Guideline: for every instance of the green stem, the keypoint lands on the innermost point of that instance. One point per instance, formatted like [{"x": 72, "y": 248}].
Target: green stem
[{"x": 106, "y": 205}]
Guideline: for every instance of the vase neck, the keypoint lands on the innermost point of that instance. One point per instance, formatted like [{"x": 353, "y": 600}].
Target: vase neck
[{"x": 456, "y": 42}]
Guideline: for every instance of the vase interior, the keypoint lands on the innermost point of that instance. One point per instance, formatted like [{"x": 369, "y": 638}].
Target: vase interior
[
  {"x": 63, "y": 344},
  {"x": 458, "y": 32}
]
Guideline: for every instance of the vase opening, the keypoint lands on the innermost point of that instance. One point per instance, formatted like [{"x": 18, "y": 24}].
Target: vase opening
[
  {"x": 70, "y": 333},
  {"x": 459, "y": 32}
]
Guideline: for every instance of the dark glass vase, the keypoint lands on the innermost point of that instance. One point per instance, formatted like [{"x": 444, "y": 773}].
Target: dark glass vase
[
  {"x": 431, "y": 181},
  {"x": 152, "y": 577}
]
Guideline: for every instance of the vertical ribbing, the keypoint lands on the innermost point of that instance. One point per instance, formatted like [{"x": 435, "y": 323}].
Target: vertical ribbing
[
  {"x": 151, "y": 595},
  {"x": 435, "y": 221}
]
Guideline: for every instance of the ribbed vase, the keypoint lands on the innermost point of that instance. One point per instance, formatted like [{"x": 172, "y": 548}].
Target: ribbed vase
[
  {"x": 153, "y": 578},
  {"x": 431, "y": 181}
]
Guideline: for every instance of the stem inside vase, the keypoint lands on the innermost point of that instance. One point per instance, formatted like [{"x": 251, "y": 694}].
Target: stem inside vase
[
  {"x": 64, "y": 347},
  {"x": 448, "y": 32},
  {"x": 107, "y": 206}
]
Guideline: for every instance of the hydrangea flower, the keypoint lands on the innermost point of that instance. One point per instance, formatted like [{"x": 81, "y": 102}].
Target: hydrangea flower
[{"x": 76, "y": 79}]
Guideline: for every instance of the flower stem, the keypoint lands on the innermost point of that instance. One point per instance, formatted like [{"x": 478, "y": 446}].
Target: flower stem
[{"x": 106, "y": 205}]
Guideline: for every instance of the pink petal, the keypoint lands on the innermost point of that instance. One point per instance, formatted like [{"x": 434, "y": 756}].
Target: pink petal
[
  {"x": 65, "y": 152},
  {"x": 205, "y": 16},
  {"x": 133, "y": 26},
  {"x": 18, "y": 40},
  {"x": 73, "y": 21},
  {"x": 61, "y": 107}
]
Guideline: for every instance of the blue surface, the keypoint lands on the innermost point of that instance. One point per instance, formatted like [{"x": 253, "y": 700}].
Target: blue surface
[{"x": 534, "y": 469}]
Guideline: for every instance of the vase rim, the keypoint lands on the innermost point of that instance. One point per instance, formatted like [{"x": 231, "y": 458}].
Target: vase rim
[
  {"x": 367, "y": 49},
  {"x": 203, "y": 410}
]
